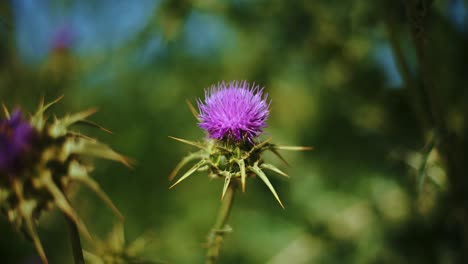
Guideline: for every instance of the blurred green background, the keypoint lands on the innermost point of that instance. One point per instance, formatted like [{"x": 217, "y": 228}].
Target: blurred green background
[{"x": 372, "y": 191}]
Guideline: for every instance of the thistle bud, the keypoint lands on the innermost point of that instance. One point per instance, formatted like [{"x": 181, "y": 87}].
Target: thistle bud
[{"x": 117, "y": 250}]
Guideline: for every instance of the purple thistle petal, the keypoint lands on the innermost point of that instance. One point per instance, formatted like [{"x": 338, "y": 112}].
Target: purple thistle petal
[
  {"x": 15, "y": 119},
  {"x": 234, "y": 111},
  {"x": 16, "y": 136}
]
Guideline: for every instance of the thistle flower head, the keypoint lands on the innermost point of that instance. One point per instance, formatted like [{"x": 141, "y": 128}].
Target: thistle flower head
[
  {"x": 45, "y": 157},
  {"x": 16, "y": 136},
  {"x": 234, "y": 111}
]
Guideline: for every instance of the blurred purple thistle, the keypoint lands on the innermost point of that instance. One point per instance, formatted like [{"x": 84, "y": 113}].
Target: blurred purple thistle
[
  {"x": 16, "y": 136},
  {"x": 234, "y": 111},
  {"x": 63, "y": 38}
]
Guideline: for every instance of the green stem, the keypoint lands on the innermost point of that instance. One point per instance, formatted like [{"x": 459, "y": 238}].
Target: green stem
[
  {"x": 216, "y": 236},
  {"x": 75, "y": 240}
]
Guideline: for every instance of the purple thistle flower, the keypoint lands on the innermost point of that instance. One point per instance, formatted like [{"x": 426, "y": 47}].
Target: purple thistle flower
[
  {"x": 16, "y": 136},
  {"x": 63, "y": 38},
  {"x": 234, "y": 111}
]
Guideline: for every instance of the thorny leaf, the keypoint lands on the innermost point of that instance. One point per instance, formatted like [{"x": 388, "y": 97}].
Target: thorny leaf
[
  {"x": 182, "y": 163},
  {"x": 227, "y": 181},
  {"x": 98, "y": 149},
  {"x": 255, "y": 169},
  {"x": 62, "y": 203},
  {"x": 293, "y": 148},
  {"x": 257, "y": 147},
  {"x": 5, "y": 111},
  {"x": 195, "y": 144},
  {"x": 189, "y": 172},
  {"x": 273, "y": 168},
  {"x": 93, "y": 124},
  {"x": 38, "y": 119},
  {"x": 192, "y": 109},
  {"x": 241, "y": 164},
  {"x": 80, "y": 174}
]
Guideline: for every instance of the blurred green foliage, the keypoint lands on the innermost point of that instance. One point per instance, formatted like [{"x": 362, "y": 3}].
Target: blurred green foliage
[{"x": 329, "y": 68}]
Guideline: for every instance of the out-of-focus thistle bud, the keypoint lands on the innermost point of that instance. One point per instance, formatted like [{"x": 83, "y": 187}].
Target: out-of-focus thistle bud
[
  {"x": 39, "y": 159},
  {"x": 61, "y": 64},
  {"x": 116, "y": 250},
  {"x": 233, "y": 115}
]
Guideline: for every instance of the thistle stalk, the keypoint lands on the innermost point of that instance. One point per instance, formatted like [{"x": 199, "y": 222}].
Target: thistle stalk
[
  {"x": 74, "y": 240},
  {"x": 216, "y": 235}
]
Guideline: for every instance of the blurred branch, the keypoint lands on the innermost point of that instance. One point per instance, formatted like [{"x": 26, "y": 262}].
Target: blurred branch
[
  {"x": 403, "y": 67},
  {"x": 450, "y": 147},
  {"x": 6, "y": 17},
  {"x": 5, "y": 26},
  {"x": 417, "y": 12}
]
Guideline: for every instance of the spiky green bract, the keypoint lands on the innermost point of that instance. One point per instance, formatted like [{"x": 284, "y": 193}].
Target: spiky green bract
[
  {"x": 233, "y": 162},
  {"x": 56, "y": 159},
  {"x": 116, "y": 250}
]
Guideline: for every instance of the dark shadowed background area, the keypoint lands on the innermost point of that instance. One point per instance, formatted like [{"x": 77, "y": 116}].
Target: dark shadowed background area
[{"x": 379, "y": 88}]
